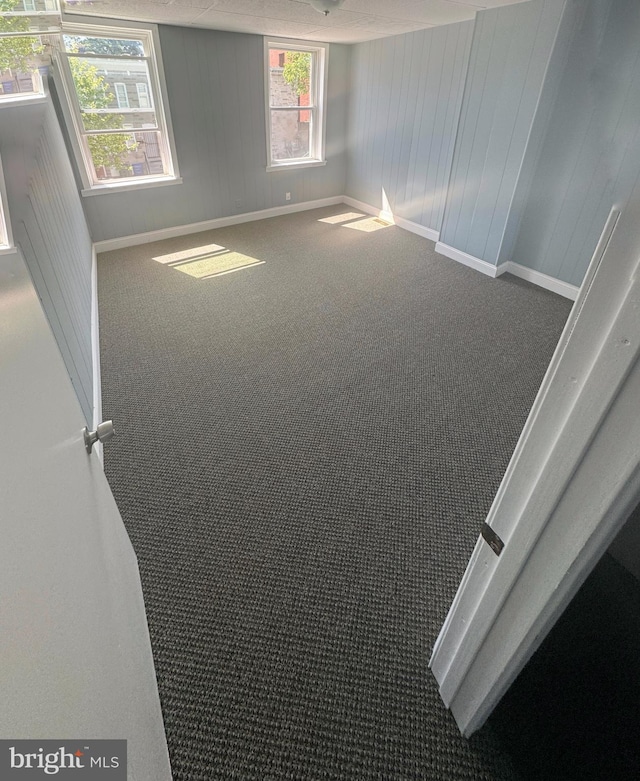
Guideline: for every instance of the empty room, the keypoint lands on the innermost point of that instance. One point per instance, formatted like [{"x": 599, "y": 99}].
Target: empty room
[{"x": 320, "y": 359}]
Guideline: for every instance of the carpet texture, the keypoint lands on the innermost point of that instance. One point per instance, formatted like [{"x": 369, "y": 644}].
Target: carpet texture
[{"x": 305, "y": 452}]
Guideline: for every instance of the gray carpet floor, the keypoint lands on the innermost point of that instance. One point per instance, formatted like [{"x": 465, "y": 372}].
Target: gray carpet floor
[{"x": 305, "y": 452}]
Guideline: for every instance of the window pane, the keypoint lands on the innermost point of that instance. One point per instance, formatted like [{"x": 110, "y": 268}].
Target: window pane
[
  {"x": 19, "y": 63},
  {"x": 82, "y": 44},
  {"x": 14, "y": 83},
  {"x": 109, "y": 93},
  {"x": 289, "y": 77},
  {"x": 290, "y": 134},
  {"x": 29, "y": 6},
  {"x": 123, "y": 155}
]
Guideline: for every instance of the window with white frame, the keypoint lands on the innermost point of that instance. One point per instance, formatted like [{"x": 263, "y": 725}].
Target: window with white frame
[
  {"x": 121, "y": 94},
  {"x": 295, "y": 89},
  {"x": 24, "y": 27},
  {"x": 6, "y": 239},
  {"x": 112, "y": 84},
  {"x": 144, "y": 100}
]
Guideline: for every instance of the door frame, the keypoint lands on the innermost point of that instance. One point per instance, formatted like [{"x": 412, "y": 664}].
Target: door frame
[{"x": 572, "y": 482}]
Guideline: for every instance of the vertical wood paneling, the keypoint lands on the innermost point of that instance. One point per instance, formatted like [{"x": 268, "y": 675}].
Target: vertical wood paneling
[
  {"x": 590, "y": 157},
  {"x": 51, "y": 229},
  {"x": 510, "y": 53},
  {"x": 405, "y": 100},
  {"x": 216, "y": 97}
]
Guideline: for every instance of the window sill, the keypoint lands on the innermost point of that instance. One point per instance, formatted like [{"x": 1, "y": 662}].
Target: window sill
[
  {"x": 5, "y": 250},
  {"x": 30, "y": 98},
  {"x": 120, "y": 187},
  {"x": 296, "y": 164}
]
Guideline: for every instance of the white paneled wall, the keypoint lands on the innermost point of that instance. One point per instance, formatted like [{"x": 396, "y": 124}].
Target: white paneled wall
[
  {"x": 405, "y": 101},
  {"x": 509, "y": 58},
  {"x": 50, "y": 227}
]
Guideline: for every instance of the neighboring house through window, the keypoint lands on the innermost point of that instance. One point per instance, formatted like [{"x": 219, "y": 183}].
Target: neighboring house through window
[
  {"x": 114, "y": 92},
  {"x": 295, "y": 77}
]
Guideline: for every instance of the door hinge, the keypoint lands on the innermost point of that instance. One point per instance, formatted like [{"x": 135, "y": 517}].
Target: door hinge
[{"x": 492, "y": 539}]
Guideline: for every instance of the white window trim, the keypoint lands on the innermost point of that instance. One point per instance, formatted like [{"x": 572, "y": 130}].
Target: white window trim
[
  {"x": 321, "y": 50},
  {"x": 145, "y": 92},
  {"x": 74, "y": 25},
  {"x": 121, "y": 104},
  {"x": 6, "y": 236}
]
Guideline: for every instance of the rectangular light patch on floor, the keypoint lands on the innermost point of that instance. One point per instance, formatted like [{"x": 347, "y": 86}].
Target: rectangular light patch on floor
[
  {"x": 190, "y": 254},
  {"x": 369, "y": 225},
  {"x": 338, "y": 218},
  {"x": 216, "y": 265}
]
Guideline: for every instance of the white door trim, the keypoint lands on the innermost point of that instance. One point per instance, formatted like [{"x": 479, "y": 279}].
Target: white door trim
[{"x": 572, "y": 482}]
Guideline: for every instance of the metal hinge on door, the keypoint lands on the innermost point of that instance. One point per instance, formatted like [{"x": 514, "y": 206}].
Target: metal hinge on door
[{"x": 492, "y": 539}]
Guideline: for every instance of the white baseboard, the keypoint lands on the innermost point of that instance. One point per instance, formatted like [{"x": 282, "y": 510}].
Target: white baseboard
[
  {"x": 412, "y": 227},
  {"x": 95, "y": 350},
  {"x": 542, "y": 280},
  {"x": 537, "y": 277},
  {"x": 219, "y": 222},
  {"x": 468, "y": 260}
]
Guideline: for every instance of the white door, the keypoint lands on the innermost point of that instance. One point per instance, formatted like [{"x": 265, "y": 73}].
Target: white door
[
  {"x": 572, "y": 482},
  {"x": 75, "y": 656}
]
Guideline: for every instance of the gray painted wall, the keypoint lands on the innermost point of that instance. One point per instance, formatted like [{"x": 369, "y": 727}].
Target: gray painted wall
[
  {"x": 49, "y": 226},
  {"x": 406, "y": 93},
  {"x": 590, "y": 157},
  {"x": 509, "y": 57},
  {"x": 216, "y": 97}
]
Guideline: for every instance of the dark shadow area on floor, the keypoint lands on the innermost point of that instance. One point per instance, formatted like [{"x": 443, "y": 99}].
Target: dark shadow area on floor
[{"x": 573, "y": 712}]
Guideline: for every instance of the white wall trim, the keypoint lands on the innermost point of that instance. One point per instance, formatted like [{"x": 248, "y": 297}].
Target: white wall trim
[
  {"x": 573, "y": 479},
  {"x": 95, "y": 350},
  {"x": 218, "y": 222},
  {"x": 542, "y": 280},
  {"x": 408, "y": 225},
  {"x": 468, "y": 260}
]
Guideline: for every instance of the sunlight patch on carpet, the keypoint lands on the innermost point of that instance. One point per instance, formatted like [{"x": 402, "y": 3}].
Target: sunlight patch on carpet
[
  {"x": 368, "y": 225},
  {"x": 338, "y": 218},
  {"x": 216, "y": 265},
  {"x": 190, "y": 254}
]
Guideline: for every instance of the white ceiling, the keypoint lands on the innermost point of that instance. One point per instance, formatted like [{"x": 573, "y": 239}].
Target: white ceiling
[{"x": 356, "y": 21}]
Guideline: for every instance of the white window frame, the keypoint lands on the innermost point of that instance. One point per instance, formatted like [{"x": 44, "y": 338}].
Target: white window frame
[
  {"x": 6, "y": 237},
  {"x": 144, "y": 93},
  {"x": 121, "y": 103},
  {"x": 318, "y": 92},
  {"x": 29, "y": 6},
  {"x": 110, "y": 28}
]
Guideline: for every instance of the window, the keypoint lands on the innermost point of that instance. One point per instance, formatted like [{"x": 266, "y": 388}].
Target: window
[
  {"x": 6, "y": 240},
  {"x": 295, "y": 87},
  {"x": 113, "y": 89},
  {"x": 24, "y": 25},
  {"x": 121, "y": 94},
  {"x": 144, "y": 100}
]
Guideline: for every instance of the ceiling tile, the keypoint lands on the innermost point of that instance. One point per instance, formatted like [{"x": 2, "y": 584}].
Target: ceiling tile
[
  {"x": 253, "y": 24},
  {"x": 356, "y": 21},
  {"x": 432, "y": 11},
  {"x": 140, "y": 10}
]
